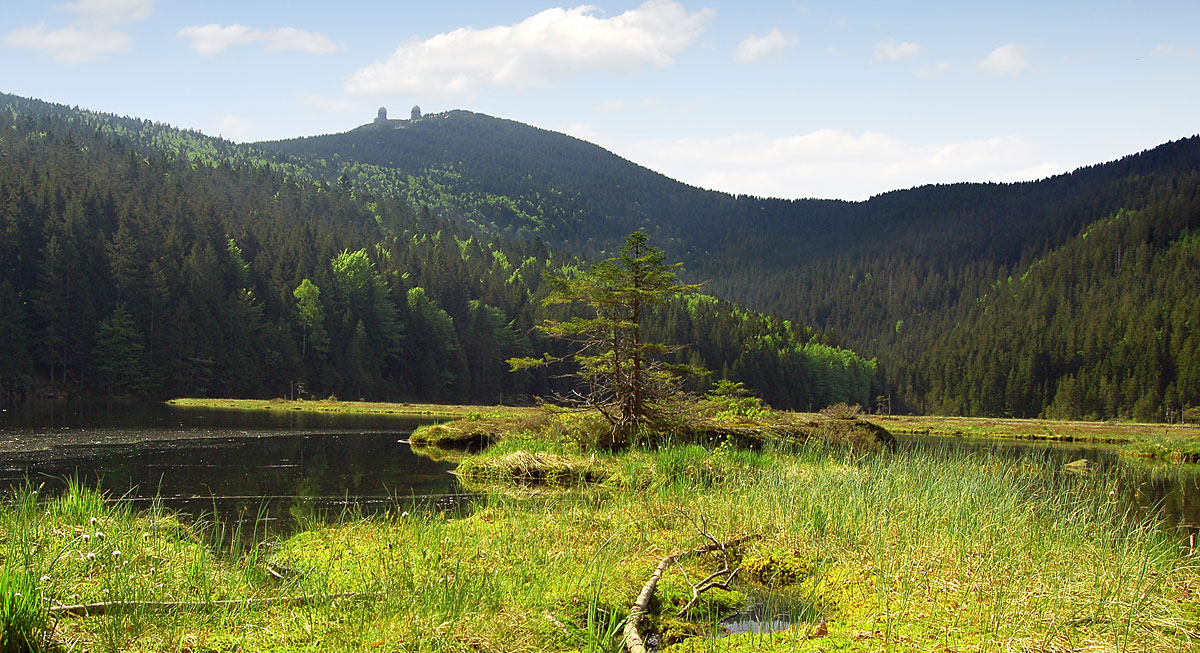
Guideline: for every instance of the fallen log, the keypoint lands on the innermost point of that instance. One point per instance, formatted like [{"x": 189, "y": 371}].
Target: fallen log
[{"x": 633, "y": 638}]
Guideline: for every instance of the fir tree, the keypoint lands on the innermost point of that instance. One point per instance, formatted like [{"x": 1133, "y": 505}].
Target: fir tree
[{"x": 619, "y": 369}]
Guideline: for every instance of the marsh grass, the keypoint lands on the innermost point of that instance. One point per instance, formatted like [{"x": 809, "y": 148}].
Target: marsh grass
[
  {"x": 23, "y": 622},
  {"x": 916, "y": 550}
]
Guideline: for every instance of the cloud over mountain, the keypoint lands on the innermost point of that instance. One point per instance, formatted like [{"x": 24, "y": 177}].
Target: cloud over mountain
[{"x": 550, "y": 45}]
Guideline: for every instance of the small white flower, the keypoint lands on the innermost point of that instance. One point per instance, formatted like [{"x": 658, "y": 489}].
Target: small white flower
[
  {"x": 99, "y": 536},
  {"x": 404, "y": 515},
  {"x": 44, "y": 579},
  {"x": 93, "y": 521},
  {"x": 85, "y": 537},
  {"x": 89, "y": 555},
  {"x": 116, "y": 554},
  {"x": 145, "y": 536}
]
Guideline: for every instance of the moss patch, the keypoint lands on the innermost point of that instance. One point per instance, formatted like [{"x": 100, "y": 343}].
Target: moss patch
[{"x": 775, "y": 568}]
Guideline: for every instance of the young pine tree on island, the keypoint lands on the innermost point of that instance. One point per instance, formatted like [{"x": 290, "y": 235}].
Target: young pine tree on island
[{"x": 620, "y": 373}]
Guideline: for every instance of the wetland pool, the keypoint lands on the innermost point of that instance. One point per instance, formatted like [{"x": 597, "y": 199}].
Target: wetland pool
[{"x": 246, "y": 465}]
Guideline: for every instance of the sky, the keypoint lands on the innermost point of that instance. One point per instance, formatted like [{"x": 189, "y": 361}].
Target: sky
[{"x": 775, "y": 99}]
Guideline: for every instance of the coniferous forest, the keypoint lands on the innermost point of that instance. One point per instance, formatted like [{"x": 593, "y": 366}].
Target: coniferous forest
[
  {"x": 141, "y": 260},
  {"x": 405, "y": 260}
]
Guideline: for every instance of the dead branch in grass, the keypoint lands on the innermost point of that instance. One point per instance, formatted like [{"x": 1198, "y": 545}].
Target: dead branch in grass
[{"x": 633, "y": 638}]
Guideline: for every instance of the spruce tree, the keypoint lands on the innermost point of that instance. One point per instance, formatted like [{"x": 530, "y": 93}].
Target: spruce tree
[{"x": 620, "y": 372}]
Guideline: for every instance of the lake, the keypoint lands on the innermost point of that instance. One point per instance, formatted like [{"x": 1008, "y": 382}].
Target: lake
[
  {"x": 285, "y": 464},
  {"x": 280, "y": 464}
]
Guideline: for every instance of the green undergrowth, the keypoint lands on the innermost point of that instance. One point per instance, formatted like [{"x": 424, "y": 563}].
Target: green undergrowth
[
  {"x": 556, "y": 449},
  {"x": 742, "y": 421},
  {"x": 889, "y": 551},
  {"x": 1166, "y": 448}
]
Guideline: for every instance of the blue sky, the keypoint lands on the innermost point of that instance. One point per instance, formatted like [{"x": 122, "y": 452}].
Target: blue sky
[{"x": 785, "y": 99}]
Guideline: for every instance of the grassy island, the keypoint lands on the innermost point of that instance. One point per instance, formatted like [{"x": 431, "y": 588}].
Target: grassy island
[{"x": 859, "y": 546}]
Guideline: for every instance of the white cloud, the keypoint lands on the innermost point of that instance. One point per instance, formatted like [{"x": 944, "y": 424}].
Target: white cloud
[
  {"x": 755, "y": 48},
  {"x": 893, "y": 51},
  {"x": 91, "y": 34},
  {"x": 68, "y": 45},
  {"x": 1036, "y": 171},
  {"x": 587, "y": 133},
  {"x": 234, "y": 128},
  {"x": 545, "y": 47},
  {"x": 609, "y": 106},
  {"x": 939, "y": 68},
  {"x": 829, "y": 163},
  {"x": 212, "y": 39},
  {"x": 1008, "y": 59},
  {"x": 106, "y": 13},
  {"x": 1174, "y": 51}
]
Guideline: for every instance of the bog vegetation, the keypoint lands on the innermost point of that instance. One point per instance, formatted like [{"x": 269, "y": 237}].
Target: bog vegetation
[{"x": 857, "y": 550}]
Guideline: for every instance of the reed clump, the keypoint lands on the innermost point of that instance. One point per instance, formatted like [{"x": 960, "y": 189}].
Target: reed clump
[{"x": 538, "y": 468}]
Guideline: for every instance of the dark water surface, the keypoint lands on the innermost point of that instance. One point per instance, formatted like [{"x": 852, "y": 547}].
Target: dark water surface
[
  {"x": 297, "y": 463},
  {"x": 280, "y": 464}
]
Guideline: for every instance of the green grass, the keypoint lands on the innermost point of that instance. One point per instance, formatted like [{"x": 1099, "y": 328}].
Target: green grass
[
  {"x": 351, "y": 407},
  {"x": 913, "y": 551},
  {"x": 1109, "y": 432},
  {"x": 23, "y": 621}
]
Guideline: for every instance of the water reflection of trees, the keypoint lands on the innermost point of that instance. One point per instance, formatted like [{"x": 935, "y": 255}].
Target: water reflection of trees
[{"x": 1171, "y": 491}]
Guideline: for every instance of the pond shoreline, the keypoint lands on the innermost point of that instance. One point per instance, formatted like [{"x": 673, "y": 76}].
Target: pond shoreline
[
  {"x": 1148, "y": 441},
  {"x": 887, "y": 549}
]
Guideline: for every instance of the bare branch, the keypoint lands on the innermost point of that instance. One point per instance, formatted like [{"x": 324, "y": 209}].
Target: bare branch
[{"x": 633, "y": 639}]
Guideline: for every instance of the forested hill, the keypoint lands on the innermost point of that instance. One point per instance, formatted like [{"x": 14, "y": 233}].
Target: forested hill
[
  {"x": 513, "y": 179},
  {"x": 1073, "y": 295},
  {"x": 140, "y": 259},
  {"x": 909, "y": 276}
]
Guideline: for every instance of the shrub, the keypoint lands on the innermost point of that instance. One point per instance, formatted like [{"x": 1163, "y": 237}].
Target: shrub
[{"x": 842, "y": 410}]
